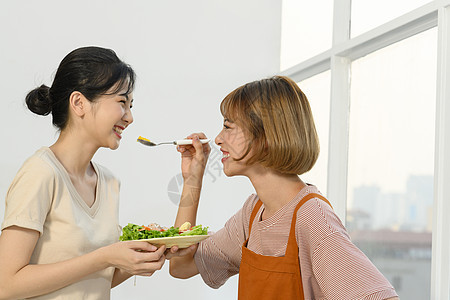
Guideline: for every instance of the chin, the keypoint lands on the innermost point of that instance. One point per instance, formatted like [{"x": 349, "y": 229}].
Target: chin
[
  {"x": 114, "y": 147},
  {"x": 230, "y": 173},
  {"x": 227, "y": 172}
]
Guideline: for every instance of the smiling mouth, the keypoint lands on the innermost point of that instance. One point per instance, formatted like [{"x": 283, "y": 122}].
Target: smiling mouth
[
  {"x": 225, "y": 156},
  {"x": 118, "y": 131}
]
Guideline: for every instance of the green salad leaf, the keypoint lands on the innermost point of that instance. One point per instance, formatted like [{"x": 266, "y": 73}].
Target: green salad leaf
[
  {"x": 136, "y": 232},
  {"x": 196, "y": 230}
]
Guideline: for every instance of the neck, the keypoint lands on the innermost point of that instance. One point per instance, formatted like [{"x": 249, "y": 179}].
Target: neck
[
  {"x": 74, "y": 153},
  {"x": 275, "y": 189}
]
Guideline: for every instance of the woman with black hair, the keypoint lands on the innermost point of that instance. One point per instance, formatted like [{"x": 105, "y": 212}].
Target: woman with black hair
[{"x": 60, "y": 232}]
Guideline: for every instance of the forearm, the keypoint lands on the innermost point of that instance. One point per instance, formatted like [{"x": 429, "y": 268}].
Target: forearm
[
  {"x": 187, "y": 209},
  {"x": 185, "y": 267},
  {"x": 119, "y": 277},
  {"x": 34, "y": 280},
  {"x": 182, "y": 263}
]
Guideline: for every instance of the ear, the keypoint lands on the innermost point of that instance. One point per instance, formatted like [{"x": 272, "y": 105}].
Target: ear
[{"x": 78, "y": 104}]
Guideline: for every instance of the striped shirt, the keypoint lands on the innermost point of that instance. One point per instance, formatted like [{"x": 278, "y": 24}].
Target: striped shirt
[{"x": 332, "y": 267}]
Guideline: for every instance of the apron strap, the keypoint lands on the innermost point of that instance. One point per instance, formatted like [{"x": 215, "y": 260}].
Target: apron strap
[
  {"x": 292, "y": 246},
  {"x": 294, "y": 217}
]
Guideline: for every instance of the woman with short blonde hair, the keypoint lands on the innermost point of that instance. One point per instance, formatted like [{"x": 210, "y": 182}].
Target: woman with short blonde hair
[
  {"x": 278, "y": 122},
  {"x": 286, "y": 242}
]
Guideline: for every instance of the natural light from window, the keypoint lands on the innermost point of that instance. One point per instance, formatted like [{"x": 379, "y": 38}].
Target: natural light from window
[
  {"x": 367, "y": 15},
  {"x": 391, "y": 160},
  {"x": 304, "y": 32},
  {"x": 317, "y": 90}
]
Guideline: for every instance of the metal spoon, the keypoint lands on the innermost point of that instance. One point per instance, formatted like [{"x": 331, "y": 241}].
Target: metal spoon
[{"x": 147, "y": 142}]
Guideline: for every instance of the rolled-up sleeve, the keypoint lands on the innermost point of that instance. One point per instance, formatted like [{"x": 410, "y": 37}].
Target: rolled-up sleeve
[{"x": 219, "y": 257}]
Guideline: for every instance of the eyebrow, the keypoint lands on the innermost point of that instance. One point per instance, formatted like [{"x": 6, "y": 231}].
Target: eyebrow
[
  {"x": 227, "y": 120},
  {"x": 126, "y": 96}
]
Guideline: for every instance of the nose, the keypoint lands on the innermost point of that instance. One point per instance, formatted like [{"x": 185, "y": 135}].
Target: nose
[
  {"x": 128, "y": 117},
  {"x": 218, "y": 140}
]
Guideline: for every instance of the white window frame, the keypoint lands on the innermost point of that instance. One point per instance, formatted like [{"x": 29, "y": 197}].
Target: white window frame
[{"x": 338, "y": 59}]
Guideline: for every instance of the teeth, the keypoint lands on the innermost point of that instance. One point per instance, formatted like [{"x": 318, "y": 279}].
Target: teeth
[
  {"x": 118, "y": 130},
  {"x": 226, "y": 155}
]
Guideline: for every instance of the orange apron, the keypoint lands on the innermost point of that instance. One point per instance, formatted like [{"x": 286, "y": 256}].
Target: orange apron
[{"x": 268, "y": 277}]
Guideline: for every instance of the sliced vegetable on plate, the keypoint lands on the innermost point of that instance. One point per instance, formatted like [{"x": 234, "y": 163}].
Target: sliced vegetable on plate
[{"x": 182, "y": 236}]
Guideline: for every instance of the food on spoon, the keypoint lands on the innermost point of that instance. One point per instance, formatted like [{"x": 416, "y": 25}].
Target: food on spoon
[
  {"x": 136, "y": 232},
  {"x": 143, "y": 139}
]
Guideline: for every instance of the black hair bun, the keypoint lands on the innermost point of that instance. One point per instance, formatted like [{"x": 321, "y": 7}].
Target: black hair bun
[{"x": 38, "y": 100}]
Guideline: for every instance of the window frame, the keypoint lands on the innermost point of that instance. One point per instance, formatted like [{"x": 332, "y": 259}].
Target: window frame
[{"x": 338, "y": 59}]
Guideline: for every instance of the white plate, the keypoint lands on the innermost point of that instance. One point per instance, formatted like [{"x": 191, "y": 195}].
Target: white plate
[{"x": 182, "y": 241}]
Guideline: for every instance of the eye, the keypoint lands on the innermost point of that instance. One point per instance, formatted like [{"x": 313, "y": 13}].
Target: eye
[{"x": 226, "y": 127}]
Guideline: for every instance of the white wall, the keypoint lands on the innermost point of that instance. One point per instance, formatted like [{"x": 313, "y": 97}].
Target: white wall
[{"x": 188, "y": 55}]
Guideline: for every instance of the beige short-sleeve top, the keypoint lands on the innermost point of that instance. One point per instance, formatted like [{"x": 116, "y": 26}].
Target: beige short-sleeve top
[{"x": 43, "y": 198}]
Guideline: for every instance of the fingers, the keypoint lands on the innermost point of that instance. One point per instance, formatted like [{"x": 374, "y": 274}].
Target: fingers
[
  {"x": 161, "y": 250},
  {"x": 141, "y": 246},
  {"x": 156, "y": 254},
  {"x": 172, "y": 250},
  {"x": 147, "y": 269},
  {"x": 197, "y": 147},
  {"x": 153, "y": 266},
  {"x": 176, "y": 252},
  {"x": 149, "y": 262},
  {"x": 136, "y": 257},
  {"x": 201, "y": 150},
  {"x": 200, "y": 135},
  {"x": 144, "y": 254}
]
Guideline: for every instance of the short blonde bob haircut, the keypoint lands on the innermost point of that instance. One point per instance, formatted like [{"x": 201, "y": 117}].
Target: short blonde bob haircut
[{"x": 276, "y": 118}]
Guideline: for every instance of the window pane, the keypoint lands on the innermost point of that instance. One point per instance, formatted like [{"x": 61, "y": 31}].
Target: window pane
[
  {"x": 367, "y": 15},
  {"x": 317, "y": 90},
  {"x": 306, "y": 30},
  {"x": 391, "y": 160}
]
